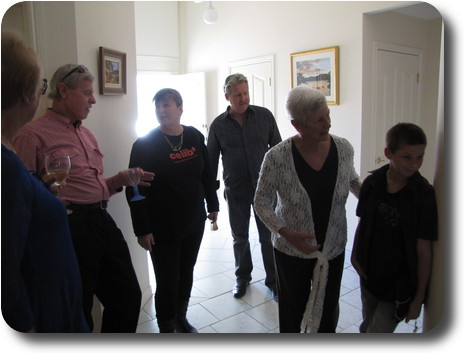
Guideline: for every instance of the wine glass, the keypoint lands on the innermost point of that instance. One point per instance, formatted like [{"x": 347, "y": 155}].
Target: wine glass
[
  {"x": 58, "y": 167},
  {"x": 134, "y": 178}
]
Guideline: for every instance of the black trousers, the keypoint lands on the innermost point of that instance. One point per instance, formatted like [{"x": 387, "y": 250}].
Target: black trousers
[
  {"x": 174, "y": 259},
  {"x": 294, "y": 277},
  {"x": 239, "y": 204},
  {"x": 106, "y": 270}
]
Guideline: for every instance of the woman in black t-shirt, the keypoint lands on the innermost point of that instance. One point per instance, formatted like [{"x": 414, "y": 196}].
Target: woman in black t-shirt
[{"x": 170, "y": 221}]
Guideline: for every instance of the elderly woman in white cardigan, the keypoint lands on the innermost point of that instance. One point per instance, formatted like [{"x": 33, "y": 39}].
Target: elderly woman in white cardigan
[{"x": 301, "y": 195}]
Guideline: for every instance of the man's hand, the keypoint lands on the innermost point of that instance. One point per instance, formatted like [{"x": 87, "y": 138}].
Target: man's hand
[
  {"x": 49, "y": 179},
  {"x": 124, "y": 177}
]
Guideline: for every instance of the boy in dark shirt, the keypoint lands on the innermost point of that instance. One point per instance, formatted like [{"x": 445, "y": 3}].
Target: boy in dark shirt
[{"x": 392, "y": 250}]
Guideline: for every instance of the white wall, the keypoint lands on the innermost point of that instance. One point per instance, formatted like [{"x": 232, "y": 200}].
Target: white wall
[{"x": 157, "y": 29}]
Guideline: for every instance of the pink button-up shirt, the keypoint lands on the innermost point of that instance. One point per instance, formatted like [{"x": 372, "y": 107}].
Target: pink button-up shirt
[{"x": 54, "y": 134}]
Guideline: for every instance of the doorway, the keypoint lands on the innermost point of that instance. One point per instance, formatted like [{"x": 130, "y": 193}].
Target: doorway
[{"x": 260, "y": 74}]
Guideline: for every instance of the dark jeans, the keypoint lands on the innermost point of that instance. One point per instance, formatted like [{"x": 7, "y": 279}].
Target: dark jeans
[
  {"x": 106, "y": 270},
  {"x": 239, "y": 206},
  {"x": 294, "y": 276},
  {"x": 174, "y": 259}
]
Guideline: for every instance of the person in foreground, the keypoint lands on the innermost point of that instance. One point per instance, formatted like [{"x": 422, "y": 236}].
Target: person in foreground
[
  {"x": 310, "y": 175},
  {"x": 103, "y": 255},
  {"x": 170, "y": 221},
  {"x": 41, "y": 283},
  {"x": 243, "y": 134},
  {"x": 392, "y": 250}
]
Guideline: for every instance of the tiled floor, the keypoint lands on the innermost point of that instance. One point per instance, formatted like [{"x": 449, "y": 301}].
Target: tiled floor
[{"x": 213, "y": 309}]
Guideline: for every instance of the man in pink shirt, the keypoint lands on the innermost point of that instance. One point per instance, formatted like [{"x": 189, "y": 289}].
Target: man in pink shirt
[{"x": 102, "y": 252}]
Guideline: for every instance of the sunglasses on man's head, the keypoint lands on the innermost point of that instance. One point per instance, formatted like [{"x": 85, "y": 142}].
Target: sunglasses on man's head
[{"x": 79, "y": 68}]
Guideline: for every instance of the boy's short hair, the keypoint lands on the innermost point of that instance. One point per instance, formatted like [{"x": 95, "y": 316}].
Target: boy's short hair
[{"x": 405, "y": 134}]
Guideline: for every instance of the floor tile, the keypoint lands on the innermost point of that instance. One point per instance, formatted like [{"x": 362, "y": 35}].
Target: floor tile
[
  {"x": 225, "y": 305},
  {"x": 240, "y": 323},
  {"x": 215, "y": 285}
]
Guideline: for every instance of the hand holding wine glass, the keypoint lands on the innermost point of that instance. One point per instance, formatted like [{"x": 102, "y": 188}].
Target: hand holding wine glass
[
  {"x": 134, "y": 179},
  {"x": 57, "y": 168}
]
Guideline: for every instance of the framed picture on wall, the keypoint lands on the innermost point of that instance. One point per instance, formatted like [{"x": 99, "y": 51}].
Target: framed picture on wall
[
  {"x": 319, "y": 69},
  {"x": 112, "y": 70}
]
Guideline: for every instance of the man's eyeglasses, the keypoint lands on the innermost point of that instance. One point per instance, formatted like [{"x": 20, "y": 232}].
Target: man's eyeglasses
[
  {"x": 43, "y": 87},
  {"x": 79, "y": 68}
]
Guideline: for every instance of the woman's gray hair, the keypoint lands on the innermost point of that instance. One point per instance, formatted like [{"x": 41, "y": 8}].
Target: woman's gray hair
[
  {"x": 71, "y": 75},
  {"x": 233, "y": 80},
  {"x": 302, "y": 101}
]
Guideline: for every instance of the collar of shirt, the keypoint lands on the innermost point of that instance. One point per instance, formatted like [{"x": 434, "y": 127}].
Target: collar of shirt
[
  {"x": 249, "y": 112},
  {"x": 62, "y": 119}
]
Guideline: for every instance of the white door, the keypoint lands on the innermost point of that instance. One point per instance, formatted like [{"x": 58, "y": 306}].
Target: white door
[
  {"x": 260, "y": 75},
  {"x": 396, "y": 93}
]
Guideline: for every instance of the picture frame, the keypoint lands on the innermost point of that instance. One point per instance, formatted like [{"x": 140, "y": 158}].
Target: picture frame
[
  {"x": 112, "y": 70},
  {"x": 319, "y": 69}
]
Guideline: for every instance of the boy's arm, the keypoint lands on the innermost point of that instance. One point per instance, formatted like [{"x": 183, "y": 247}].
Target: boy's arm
[
  {"x": 354, "y": 254},
  {"x": 424, "y": 269}
]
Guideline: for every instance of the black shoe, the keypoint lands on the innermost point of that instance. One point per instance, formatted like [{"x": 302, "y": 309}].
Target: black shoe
[
  {"x": 183, "y": 326},
  {"x": 167, "y": 326},
  {"x": 274, "y": 295},
  {"x": 240, "y": 288}
]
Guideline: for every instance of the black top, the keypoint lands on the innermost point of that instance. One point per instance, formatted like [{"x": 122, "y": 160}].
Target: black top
[
  {"x": 175, "y": 201},
  {"x": 387, "y": 254},
  {"x": 320, "y": 186},
  {"x": 406, "y": 216},
  {"x": 242, "y": 147}
]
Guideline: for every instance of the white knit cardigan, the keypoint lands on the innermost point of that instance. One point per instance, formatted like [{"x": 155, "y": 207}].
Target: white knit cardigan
[{"x": 278, "y": 178}]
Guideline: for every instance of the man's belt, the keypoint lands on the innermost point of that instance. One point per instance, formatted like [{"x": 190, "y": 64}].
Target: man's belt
[{"x": 88, "y": 206}]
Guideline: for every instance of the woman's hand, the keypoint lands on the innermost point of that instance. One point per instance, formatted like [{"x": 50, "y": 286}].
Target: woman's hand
[
  {"x": 300, "y": 240},
  {"x": 414, "y": 309},
  {"x": 213, "y": 216},
  {"x": 146, "y": 241}
]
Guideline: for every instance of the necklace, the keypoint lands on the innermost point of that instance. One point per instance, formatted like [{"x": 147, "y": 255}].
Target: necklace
[{"x": 176, "y": 148}]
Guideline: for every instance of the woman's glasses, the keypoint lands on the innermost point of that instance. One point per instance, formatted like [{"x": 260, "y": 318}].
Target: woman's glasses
[{"x": 43, "y": 87}]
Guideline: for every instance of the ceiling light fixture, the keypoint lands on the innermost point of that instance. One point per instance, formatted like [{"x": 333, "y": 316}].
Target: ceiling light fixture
[{"x": 210, "y": 16}]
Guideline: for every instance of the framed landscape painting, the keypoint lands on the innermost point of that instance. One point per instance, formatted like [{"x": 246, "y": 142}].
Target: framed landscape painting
[
  {"x": 112, "y": 69},
  {"x": 319, "y": 69}
]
